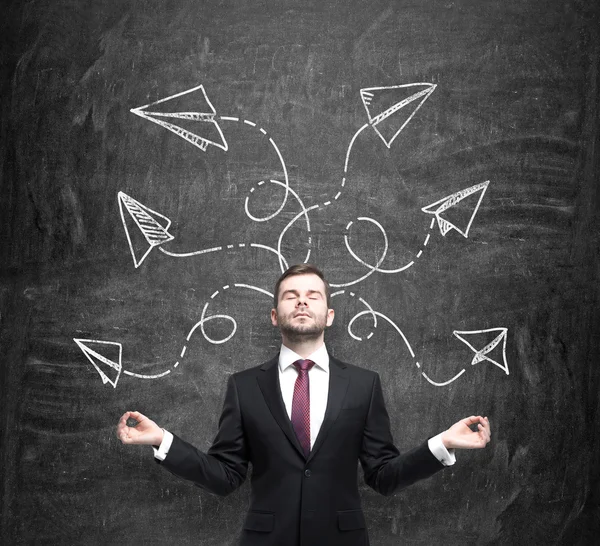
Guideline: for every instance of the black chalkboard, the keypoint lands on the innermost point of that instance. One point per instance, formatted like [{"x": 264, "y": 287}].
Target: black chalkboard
[{"x": 161, "y": 161}]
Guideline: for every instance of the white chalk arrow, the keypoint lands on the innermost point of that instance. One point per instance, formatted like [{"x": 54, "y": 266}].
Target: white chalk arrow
[
  {"x": 391, "y": 108},
  {"x": 108, "y": 368},
  {"x": 188, "y": 114},
  {"x": 457, "y": 211}
]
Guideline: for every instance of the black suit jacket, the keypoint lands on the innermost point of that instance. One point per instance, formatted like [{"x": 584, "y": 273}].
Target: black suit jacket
[{"x": 298, "y": 500}]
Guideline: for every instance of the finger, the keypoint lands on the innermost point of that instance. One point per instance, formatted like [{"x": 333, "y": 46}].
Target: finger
[
  {"x": 484, "y": 433},
  {"x": 123, "y": 420},
  {"x": 121, "y": 428},
  {"x": 471, "y": 420},
  {"x": 121, "y": 433},
  {"x": 137, "y": 416},
  {"x": 486, "y": 427}
]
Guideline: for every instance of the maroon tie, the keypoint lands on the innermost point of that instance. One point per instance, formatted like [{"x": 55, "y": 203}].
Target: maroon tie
[{"x": 301, "y": 404}]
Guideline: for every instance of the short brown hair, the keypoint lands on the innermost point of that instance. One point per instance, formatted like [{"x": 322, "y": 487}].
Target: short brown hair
[{"x": 302, "y": 269}]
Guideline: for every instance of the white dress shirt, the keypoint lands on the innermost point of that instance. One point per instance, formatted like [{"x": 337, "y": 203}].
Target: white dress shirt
[
  {"x": 318, "y": 385},
  {"x": 318, "y": 377}
]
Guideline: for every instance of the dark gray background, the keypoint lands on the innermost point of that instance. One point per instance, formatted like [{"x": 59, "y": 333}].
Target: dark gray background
[{"x": 516, "y": 104}]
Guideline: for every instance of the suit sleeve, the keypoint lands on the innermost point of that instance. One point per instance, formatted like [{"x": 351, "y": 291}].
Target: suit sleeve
[
  {"x": 224, "y": 467},
  {"x": 386, "y": 470}
]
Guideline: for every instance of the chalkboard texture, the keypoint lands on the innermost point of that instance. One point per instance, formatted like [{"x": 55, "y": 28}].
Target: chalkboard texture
[{"x": 162, "y": 161}]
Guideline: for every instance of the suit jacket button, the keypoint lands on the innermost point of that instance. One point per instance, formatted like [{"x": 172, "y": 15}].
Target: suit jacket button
[{"x": 307, "y": 473}]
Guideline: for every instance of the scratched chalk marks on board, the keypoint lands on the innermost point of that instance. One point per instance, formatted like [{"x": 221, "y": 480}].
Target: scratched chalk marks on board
[{"x": 191, "y": 116}]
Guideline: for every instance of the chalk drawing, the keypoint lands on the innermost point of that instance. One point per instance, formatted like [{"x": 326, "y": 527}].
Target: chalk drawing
[
  {"x": 384, "y": 106},
  {"x": 480, "y": 354},
  {"x": 185, "y": 114},
  {"x": 152, "y": 225},
  {"x": 391, "y": 108},
  {"x": 286, "y": 184},
  {"x": 446, "y": 204},
  {"x": 155, "y": 233},
  {"x": 190, "y": 115},
  {"x": 93, "y": 349},
  {"x": 108, "y": 368},
  {"x": 494, "y": 351}
]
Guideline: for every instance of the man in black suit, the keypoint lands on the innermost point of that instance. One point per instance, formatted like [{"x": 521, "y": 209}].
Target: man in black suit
[{"x": 303, "y": 420}]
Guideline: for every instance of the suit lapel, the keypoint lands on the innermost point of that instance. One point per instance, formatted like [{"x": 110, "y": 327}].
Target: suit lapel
[
  {"x": 338, "y": 386},
  {"x": 268, "y": 381}
]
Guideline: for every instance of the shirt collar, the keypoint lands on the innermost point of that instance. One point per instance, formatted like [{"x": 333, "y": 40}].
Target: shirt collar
[{"x": 287, "y": 357}]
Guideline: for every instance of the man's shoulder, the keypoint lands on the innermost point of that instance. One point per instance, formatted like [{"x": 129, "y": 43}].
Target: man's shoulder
[
  {"x": 255, "y": 370},
  {"x": 352, "y": 369}
]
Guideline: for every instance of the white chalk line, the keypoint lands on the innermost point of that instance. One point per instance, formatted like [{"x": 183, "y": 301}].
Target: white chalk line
[
  {"x": 339, "y": 193},
  {"x": 305, "y": 210},
  {"x": 444, "y": 383},
  {"x": 283, "y": 165},
  {"x": 200, "y": 324},
  {"x": 404, "y": 338},
  {"x": 144, "y": 376},
  {"x": 221, "y": 248},
  {"x": 375, "y": 314},
  {"x": 374, "y": 268}
]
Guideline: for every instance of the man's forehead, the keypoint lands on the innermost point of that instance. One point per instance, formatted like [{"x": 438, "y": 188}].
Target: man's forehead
[{"x": 308, "y": 281}]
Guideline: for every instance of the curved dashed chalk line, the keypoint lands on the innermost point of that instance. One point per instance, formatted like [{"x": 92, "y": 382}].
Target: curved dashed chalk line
[
  {"x": 285, "y": 173},
  {"x": 374, "y": 268},
  {"x": 200, "y": 324},
  {"x": 412, "y": 354}
]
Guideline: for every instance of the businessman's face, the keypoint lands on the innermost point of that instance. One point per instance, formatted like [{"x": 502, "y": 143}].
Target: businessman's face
[{"x": 302, "y": 311}]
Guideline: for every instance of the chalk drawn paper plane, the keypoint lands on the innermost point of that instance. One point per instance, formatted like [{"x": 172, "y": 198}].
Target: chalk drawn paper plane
[
  {"x": 458, "y": 209},
  {"x": 494, "y": 351},
  {"x": 402, "y": 101},
  {"x": 105, "y": 356},
  {"x": 188, "y": 114},
  {"x": 152, "y": 227}
]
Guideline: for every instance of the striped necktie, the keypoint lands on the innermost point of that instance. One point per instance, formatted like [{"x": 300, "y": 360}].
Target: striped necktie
[{"x": 301, "y": 404}]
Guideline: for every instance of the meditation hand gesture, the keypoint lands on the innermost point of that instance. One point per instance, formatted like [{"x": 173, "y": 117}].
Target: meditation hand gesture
[
  {"x": 145, "y": 431},
  {"x": 461, "y": 436}
]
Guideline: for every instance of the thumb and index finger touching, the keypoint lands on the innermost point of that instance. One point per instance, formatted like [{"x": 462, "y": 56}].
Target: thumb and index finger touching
[
  {"x": 123, "y": 429},
  {"x": 475, "y": 419},
  {"x": 133, "y": 415}
]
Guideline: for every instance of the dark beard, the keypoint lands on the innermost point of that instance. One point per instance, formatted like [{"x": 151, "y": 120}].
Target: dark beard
[
  {"x": 297, "y": 334},
  {"x": 300, "y": 333}
]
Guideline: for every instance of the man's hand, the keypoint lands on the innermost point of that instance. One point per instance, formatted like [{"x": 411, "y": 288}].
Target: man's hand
[
  {"x": 145, "y": 432},
  {"x": 460, "y": 435}
]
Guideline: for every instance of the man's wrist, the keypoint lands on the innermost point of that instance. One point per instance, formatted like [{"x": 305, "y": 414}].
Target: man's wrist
[
  {"x": 440, "y": 452},
  {"x": 159, "y": 438},
  {"x": 447, "y": 443},
  {"x": 162, "y": 450}
]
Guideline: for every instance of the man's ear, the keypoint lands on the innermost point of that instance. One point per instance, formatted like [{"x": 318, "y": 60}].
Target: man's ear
[
  {"x": 330, "y": 316},
  {"x": 274, "y": 317}
]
